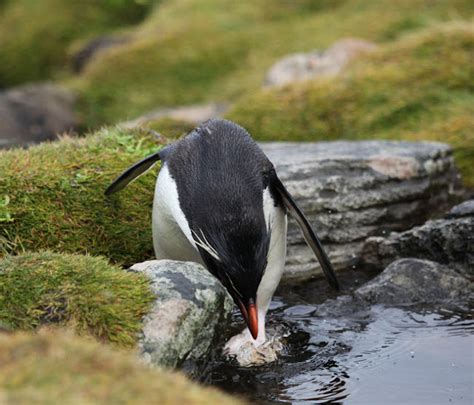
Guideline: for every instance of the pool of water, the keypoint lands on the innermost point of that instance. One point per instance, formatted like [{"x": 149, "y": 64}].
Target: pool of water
[{"x": 359, "y": 355}]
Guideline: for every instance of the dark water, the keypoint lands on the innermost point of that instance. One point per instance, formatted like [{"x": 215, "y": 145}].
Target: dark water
[{"x": 367, "y": 355}]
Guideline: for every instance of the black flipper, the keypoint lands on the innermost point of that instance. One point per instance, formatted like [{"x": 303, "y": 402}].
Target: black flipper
[
  {"x": 132, "y": 173},
  {"x": 308, "y": 233}
]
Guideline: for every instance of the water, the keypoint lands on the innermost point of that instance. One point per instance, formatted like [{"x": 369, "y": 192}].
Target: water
[{"x": 365, "y": 355}]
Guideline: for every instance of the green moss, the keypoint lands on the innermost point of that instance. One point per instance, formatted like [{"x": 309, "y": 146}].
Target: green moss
[
  {"x": 418, "y": 88},
  {"x": 52, "y": 197},
  {"x": 170, "y": 127},
  {"x": 56, "y": 367},
  {"x": 220, "y": 50},
  {"x": 35, "y": 34},
  {"x": 85, "y": 292}
]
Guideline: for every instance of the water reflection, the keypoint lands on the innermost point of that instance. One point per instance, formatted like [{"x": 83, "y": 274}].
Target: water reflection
[{"x": 375, "y": 355}]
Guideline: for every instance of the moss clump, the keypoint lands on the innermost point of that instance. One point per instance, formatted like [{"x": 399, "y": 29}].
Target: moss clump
[
  {"x": 35, "y": 34},
  {"x": 52, "y": 197},
  {"x": 56, "y": 367},
  {"x": 85, "y": 292},
  {"x": 418, "y": 88},
  {"x": 219, "y": 50}
]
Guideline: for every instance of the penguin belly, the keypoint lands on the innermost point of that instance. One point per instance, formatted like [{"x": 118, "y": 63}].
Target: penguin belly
[
  {"x": 276, "y": 220},
  {"x": 172, "y": 237}
]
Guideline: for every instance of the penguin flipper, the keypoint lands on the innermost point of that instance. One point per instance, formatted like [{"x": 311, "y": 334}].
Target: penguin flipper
[
  {"x": 309, "y": 235},
  {"x": 132, "y": 173}
]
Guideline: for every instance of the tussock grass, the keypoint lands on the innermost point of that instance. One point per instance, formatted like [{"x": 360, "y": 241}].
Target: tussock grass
[
  {"x": 84, "y": 292},
  {"x": 52, "y": 197},
  {"x": 417, "y": 88},
  {"x": 192, "y": 51},
  {"x": 57, "y": 367},
  {"x": 35, "y": 34}
]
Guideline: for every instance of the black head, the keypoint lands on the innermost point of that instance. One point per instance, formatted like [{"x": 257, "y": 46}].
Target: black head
[{"x": 221, "y": 173}]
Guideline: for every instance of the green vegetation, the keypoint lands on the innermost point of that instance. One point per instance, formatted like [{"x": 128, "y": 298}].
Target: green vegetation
[
  {"x": 84, "y": 292},
  {"x": 417, "y": 88},
  {"x": 35, "y": 34},
  {"x": 52, "y": 197},
  {"x": 55, "y": 367},
  {"x": 220, "y": 49}
]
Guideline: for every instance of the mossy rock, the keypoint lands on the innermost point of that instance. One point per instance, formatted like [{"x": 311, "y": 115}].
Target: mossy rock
[
  {"x": 52, "y": 197},
  {"x": 35, "y": 34},
  {"x": 57, "y": 367},
  {"x": 85, "y": 292},
  {"x": 216, "y": 50},
  {"x": 417, "y": 88}
]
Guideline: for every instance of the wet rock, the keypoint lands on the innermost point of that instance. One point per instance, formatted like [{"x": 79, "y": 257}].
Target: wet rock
[
  {"x": 304, "y": 66},
  {"x": 94, "y": 47},
  {"x": 464, "y": 209},
  {"x": 192, "y": 114},
  {"x": 191, "y": 308},
  {"x": 353, "y": 190},
  {"x": 35, "y": 113},
  {"x": 447, "y": 241},
  {"x": 414, "y": 281}
]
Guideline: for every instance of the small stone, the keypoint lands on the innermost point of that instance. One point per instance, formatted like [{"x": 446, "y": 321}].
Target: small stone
[
  {"x": 415, "y": 281},
  {"x": 462, "y": 210}
]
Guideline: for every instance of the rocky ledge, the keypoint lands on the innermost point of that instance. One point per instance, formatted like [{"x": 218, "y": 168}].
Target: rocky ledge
[
  {"x": 190, "y": 309},
  {"x": 449, "y": 241},
  {"x": 354, "y": 190}
]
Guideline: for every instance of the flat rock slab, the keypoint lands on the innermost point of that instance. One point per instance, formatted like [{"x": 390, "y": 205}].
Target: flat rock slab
[
  {"x": 190, "y": 309},
  {"x": 449, "y": 241},
  {"x": 353, "y": 190}
]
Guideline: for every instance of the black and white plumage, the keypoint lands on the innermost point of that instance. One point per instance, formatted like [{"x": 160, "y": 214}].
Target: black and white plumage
[{"x": 219, "y": 202}]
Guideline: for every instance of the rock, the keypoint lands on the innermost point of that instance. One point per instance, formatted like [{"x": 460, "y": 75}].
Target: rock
[
  {"x": 353, "y": 190},
  {"x": 414, "y": 281},
  {"x": 447, "y": 241},
  {"x": 304, "y": 66},
  {"x": 35, "y": 113},
  {"x": 193, "y": 114},
  {"x": 462, "y": 210},
  {"x": 94, "y": 47},
  {"x": 250, "y": 355},
  {"x": 191, "y": 308}
]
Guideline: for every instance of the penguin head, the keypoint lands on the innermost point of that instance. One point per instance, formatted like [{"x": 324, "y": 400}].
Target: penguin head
[{"x": 239, "y": 263}]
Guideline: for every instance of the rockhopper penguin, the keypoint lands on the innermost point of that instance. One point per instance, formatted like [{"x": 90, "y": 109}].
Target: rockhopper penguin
[{"x": 219, "y": 202}]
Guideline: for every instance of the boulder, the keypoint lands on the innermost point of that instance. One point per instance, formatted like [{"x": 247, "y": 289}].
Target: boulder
[
  {"x": 303, "y": 66},
  {"x": 191, "y": 308},
  {"x": 414, "y": 281},
  {"x": 35, "y": 113},
  {"x": 192, "y": 114},
  {"x": 353, "y": 190},
  {"x": 449, "y": 241}
]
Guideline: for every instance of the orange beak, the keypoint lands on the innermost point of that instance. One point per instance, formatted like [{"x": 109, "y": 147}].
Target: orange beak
[
  {"x": 252, "y": 320},
  {"x": 250, "y": 317}
]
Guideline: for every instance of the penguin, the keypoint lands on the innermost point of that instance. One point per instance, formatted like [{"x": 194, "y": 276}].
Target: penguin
[{"x": 219, "y": 202}]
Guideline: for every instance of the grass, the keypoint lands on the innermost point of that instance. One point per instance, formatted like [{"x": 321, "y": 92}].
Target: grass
[
  {"x": 56, "y": 367},
  {"x": 84, "y": 292},
  {"x": 35, "y": 34},
  {"x": 212, "y": 50},
  {"x": 52, "y": 197},
  {"x": 419, "y": 87}
]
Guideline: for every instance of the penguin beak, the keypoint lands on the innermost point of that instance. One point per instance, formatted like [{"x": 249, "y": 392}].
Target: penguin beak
[{"x": 250, "y": 316}]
